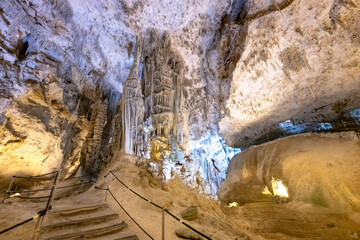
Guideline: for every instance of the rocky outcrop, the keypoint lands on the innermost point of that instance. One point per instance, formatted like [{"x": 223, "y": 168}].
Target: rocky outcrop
[
  {"x": 288, "y": 60},
  {"x": 242, "y": 71},
  {"x": 90, "y": 152},
  {"x": 320, "y": 169},
  {"x": 190, "y": 213},
  {"x": 49, "y": 76}
]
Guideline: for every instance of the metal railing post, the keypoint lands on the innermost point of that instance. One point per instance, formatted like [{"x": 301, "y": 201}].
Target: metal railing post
[
  {"x": 12, "y": 180},
  {"x": 48, "y": 207},
  {"x": 163, "y": 223},
  {"x": 107, "y": 187},
  {"x": 154, "y": 204}
]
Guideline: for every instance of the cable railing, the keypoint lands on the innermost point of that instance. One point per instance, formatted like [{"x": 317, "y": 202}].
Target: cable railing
[
  {"x": 20, "y": 194},
  {"x": 163, "y": 209},
  {"x": 40, "y": 215},
  {"x": 117, "y": 201},
  {"x": 21, "y": 223}
]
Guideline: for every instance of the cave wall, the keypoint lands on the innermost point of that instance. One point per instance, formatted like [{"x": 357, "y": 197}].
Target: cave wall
[
  {"x": 320, "y": 169},
  {"x": 64, "y": 65},
  {"x": 56, "y": 66},
  {"x": 201, "y": 76},
  {"x": 288, "y": 60}
]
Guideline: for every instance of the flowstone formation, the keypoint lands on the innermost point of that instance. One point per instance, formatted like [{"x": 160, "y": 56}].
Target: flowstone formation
[
  {"x": 320, "y": 169},
  {"x": 162, "y": 81},
  {"x": 132, "y": 110},
  {"x": 155, "y": 119},
  {"x": 63, "y": 71},
  {"x": 152, "y": 122}
]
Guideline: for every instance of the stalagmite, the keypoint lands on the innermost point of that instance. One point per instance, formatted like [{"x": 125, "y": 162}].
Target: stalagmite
[{"x": 132, "y": 108}]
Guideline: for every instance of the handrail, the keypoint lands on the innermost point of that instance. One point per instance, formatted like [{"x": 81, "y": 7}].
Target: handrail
[
  {"x": 22, "y": 223},
  {"x": 28, "y": 178},
  {"x": 167, "y": 211},
  {"x": 50, "y": 197},
  {"x": 48, "y": 207},
  {"x": 48, "y": 189},
  {"x": 107, "y": 189},
  {"x": 40, "y": 214},
  {"x": 46, "y": 174}
]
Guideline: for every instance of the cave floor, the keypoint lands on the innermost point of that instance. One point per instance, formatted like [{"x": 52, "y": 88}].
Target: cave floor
[
  {"x": 261, "y": 220},
  {"x": 269, "y": 220}
]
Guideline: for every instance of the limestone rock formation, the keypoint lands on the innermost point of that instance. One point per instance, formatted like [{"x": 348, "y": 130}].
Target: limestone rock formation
[
  {"x": 165, "y": 91},
  {"x": 190, "y": 213},
  {"x": 187, "y": 234},
  {"x": 288, "y": 60},
  {"x": 209, "y": 75},
  {"x": 132, "y": 109},
  {"x": 50, "y": 69},
  {"x": 318, "y": 169}
]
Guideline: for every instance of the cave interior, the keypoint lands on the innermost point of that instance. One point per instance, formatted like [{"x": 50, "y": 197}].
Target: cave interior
[{"x": 170, "y": 119}]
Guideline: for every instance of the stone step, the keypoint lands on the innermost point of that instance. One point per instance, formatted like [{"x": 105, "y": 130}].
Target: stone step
[
  {"x": 65, "y": 188},
  {"x": 79, "y": 210},
  {"x": 88, "y": 234},
  {"x": 131, "y": 237},
  {"x": 123, "y": 235},
  {"x": 80, "y": 222}
]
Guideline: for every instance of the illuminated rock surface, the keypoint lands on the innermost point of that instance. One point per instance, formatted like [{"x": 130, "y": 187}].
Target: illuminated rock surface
[
  {"x": 167, "y": 92},
  {"x": 300, "y": 63},
  {"x": 316, "y": 169}
]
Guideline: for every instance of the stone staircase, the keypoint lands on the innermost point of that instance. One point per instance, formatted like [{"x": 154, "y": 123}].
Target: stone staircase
[
  {"x": 32, "y": 189},
  {"x": 85, "y": 222}
]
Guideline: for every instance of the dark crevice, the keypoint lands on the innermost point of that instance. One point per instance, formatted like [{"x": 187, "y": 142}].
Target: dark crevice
[{"x": 273, "y": 8}]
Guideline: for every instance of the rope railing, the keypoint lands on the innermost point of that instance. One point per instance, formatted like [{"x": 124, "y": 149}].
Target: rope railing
[
  {"x": 36, "y": 176},
  {"x": 154, "y": 204},
  {"x": 40, "y": 214},
  {"x": 48, "y": 189},
  {"x": 23, "y": 222},
  {"x": 50, "y": 198},
  {"x": 125, "y": 211}
]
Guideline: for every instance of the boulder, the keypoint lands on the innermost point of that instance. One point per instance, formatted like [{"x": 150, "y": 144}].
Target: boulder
[
  {"x": 190, "y": 213},
  {"x": 187, "y": 233}
]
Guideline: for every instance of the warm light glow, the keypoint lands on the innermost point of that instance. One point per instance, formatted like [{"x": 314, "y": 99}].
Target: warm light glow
[
  {"x": 266, "y": 191},
  {"x": 15, "y": 195},
  {"x": 233, "y": 204},
  {"x": 278, "y": 188},
  {"x": 159, "y": 147}
]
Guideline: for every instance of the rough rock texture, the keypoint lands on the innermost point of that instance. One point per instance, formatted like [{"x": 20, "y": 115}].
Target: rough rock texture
[
  {"x": 293, "y": 60},
  {"x": 254, "y": 66},
  {"x": 321, "y": 169},
  {"x": 190, "y": 213},
  {"x": 75, "y": 56},
  {"x": 187, "y": 233},
  {"x": 53, "y": 68}
]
